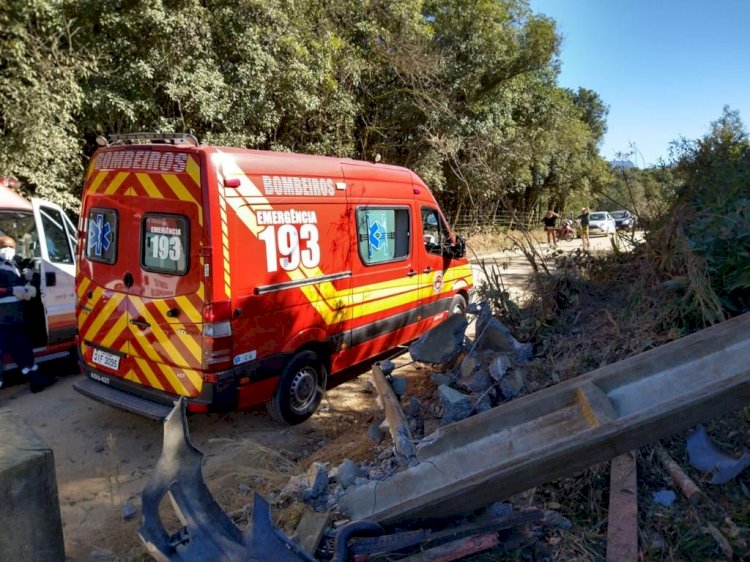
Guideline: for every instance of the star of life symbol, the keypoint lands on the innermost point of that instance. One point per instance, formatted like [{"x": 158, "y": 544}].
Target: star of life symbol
[
  {"x": 100, "y": 234},
  {"x": 377, "y": 235}
]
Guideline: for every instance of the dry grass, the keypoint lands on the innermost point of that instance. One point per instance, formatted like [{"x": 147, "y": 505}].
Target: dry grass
[
  {"x": 490, "y": 241},
  {"x": 597, "y": 310}
]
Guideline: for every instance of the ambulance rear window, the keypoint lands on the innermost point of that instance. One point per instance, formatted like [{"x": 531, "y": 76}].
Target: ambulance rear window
[
  {"x": 101, "y": 236},
  {"x": 164, "y": 243},
  {"x": 383, "y": 234}
]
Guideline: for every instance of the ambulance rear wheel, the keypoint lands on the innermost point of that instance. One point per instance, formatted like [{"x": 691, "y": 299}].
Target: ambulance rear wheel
[
  {"x": 300, "y": 389},
  {"x": 459, "y": 305}
]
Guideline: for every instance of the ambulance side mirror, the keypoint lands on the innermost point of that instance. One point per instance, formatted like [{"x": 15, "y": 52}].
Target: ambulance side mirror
[{"x": 457, "y": 250}]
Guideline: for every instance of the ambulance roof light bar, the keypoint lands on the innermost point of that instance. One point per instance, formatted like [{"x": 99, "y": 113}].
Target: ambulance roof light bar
[{"x": 154, "y": 138}]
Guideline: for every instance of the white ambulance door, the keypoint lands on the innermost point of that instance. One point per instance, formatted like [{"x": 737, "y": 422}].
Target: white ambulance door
[{"x": 57, "y": 242}]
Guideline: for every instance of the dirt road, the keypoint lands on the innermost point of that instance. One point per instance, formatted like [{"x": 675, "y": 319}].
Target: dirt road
[{"x": 103, "y": 456}]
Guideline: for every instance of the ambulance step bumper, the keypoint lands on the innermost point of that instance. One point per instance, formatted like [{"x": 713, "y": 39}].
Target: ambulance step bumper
[{"x": 122, "y": 400}]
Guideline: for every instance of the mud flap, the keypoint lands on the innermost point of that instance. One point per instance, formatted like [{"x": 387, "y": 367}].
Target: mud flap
[{"x": 207, "y": 533}]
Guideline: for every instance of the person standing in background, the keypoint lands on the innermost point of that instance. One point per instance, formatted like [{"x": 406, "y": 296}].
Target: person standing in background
[
  {"x": 14, "y": 289},
  {"x": 583, "y": 220},
  {"x": 550, "y": 227}
]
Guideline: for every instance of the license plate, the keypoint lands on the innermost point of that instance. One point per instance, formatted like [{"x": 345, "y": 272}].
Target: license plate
[{"x": 109, "y": 360}]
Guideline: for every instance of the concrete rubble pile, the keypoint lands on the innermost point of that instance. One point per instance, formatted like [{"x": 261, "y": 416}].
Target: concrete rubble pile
[
  {"x": 470, "y": 376},
  {"x": 498, "y": 436}
]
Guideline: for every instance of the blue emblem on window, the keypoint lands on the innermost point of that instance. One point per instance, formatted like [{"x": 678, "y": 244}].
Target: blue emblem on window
[
  {"x": 100, "y": 235},
  {"x": 377, "y": 235}
]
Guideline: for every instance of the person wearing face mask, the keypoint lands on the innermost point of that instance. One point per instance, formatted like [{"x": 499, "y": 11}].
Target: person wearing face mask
[{"x": 14, "y": 290}]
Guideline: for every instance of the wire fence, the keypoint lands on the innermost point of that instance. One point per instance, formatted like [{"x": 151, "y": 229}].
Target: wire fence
[{"x": 502, "y": 219}]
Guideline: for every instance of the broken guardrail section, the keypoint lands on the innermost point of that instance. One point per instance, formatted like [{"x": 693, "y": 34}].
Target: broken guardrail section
[
  {"x": 207, "y": 534},
  {"x": 566, "y": 428}
]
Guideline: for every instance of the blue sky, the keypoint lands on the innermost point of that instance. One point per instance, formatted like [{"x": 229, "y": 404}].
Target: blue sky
[{"x": 665, "y": 68}]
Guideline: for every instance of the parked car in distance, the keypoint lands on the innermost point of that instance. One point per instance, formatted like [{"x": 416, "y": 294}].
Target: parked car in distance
[
  {"x": 601, "y": 222},
  {"x": 624, "y": 220}
]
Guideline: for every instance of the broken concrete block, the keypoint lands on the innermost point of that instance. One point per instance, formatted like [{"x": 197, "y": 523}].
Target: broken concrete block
[
  {"x": 317, "y": 478},
  {"x": 479, "y": 383},
  {"x": 512, "y": 386},
  {"x": 348, "y": 473},
  {"x": 374, "y": 431},
  {"x": 469, "y": 365},
  {"x": 412, "y": 410},
  {"x": 295, "y": 488},
  {"x": 442, "y": 343},
  {"x": 128, "y": 511},
  {"x": 483, "y": 404},
  {"x": 494, "y": 335},
  {"x": 398, "y": 383},
  {"x": 387, "y": 366},
  {"x": 440, "y": 379},
  {"x": 456, "y": 406},
  {"x": 499, "y": 366}
]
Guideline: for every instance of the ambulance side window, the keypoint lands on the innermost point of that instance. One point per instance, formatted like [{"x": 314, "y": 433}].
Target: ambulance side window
[
  {"x": 382, "y": 234},
  {"x": 434, "y": 231},
  {"x": 101, "y": 235},
  {"x": 164, "y": 243}
]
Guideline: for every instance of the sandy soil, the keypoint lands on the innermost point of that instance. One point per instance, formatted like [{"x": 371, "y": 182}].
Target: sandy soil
[{"x": 103, "y": 457}]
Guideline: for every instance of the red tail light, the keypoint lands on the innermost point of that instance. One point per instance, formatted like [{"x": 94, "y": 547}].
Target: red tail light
[{"x": 217, "y": 336}]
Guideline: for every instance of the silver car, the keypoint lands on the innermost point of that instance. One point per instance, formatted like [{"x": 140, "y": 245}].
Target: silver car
[{"x": 601, "y": 222}]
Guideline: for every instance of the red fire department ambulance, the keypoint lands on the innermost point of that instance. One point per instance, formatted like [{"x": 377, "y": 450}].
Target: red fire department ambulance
[{"x": 240, "y": 277}]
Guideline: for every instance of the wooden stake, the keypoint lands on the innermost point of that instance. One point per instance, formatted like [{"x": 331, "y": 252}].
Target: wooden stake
[
  {"x": 687, "y": 485},
  {"x": 622, "y": 527}
]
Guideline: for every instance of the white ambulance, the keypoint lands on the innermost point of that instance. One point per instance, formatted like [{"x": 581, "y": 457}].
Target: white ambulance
[{"x": 46, "y": 244}]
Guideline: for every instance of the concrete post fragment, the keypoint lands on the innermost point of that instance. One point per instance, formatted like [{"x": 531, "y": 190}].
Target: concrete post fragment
[
  {"x": 30, "y": 523},
  {"x": 565, "y": 428},
  {"x": 442, "y": 343}
]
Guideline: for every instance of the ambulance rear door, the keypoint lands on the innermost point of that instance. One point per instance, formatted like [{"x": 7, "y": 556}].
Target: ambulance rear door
[{"x": 57, "y": 240}]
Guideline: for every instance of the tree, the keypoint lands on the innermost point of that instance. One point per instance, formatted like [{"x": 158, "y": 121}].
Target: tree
[
  {"x": 713, "y": 205},
  {"x": 40, "y": 99}
]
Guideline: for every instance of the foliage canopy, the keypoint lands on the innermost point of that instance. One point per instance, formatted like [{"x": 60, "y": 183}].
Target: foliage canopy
[{"x": 464, "y": 92}]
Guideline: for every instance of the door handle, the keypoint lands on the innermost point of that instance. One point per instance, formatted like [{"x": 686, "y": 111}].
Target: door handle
[
  {"x": 427, "y": 269},
  {"x": 411, "y": 273},
  {"x": 50, "y": 279},
  {"x": 140, "y": 323}
]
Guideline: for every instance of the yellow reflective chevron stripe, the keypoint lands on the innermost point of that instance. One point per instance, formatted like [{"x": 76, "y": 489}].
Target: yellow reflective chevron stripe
[
  {"x": 149, "y": 185},
  {"x": 188, "y": 341},
  {"x": 115, "y": 331},
  {"x": 182, "y": 193},
  {"x": 115, "y": 184},
  {"x": 107, "y": 310}
]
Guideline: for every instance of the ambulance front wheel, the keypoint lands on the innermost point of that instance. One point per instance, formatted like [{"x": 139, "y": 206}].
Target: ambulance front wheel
[
  {"x": 459, "y": 305},
  {"x": 300, "y": 389}
]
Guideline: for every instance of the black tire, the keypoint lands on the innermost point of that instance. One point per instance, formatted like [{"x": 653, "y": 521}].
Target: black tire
[
  {"x": 2, "y": 380},
  {"x": 300, "y": 389},
  {"x": 459, "y": 305}
]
